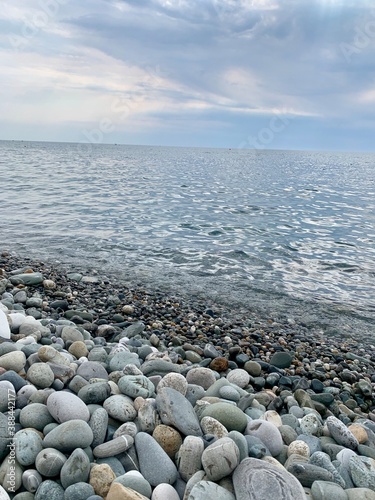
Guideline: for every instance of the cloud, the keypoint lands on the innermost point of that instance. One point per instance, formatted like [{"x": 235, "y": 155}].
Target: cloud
[{"x": 175, "y": 64}]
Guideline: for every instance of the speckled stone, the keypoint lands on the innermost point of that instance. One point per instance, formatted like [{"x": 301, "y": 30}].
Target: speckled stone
[
  {"x": 78, "y": 349},
  {"x": 28, "y": 444},
  {"x": 49, "y": 490},
  {"x": 41, "y": 375},
  {"x": 201, "y": 376},
  {"x": 362, "y": 472},
  {"x": 212, "y": 426},
  {"x": 79, "y": 491},
  {"x": 175, "y": 380},
  {"x": 228, "y": 415},
  {"x": 64, "y": 406},
  {"x": 189, "y": 457},
  {"x": 98, "y": 424},
  {"x": 340, "y": 433},
  {"x": 311, "y": 425},
  {"x": 220, "y": 458},
  {"x": 359, "y": 432},
  {"x": 168, "y": 438},
  {"x": 101, "y": 478},
  {"x": 13, "y": 361},
  {"x": 258, "y": 480},
  {"x": 239, "y": 377},
  {"x": 120, "y": 407},
  {"x": 299, "y": 448}
]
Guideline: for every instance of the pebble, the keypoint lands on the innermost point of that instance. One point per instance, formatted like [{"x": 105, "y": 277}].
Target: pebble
[
  {"x": 341, "y": 434},
  {"x": 204, "y": 490},
  {"x": 220, "y": 458},
  {"x": 175, "y": 410},
  {"x": 167, "y": 395},
  {"x": 256, "y": 479},
  {"x": 228, "y": 415},
  {"x": 268, "y": 433},
  {"x": 68, "y": 436},
  {"x": 155, "y": 465}
]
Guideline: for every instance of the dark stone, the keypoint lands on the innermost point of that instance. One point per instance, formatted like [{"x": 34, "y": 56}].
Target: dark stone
[{"x": 281, "y": 359}]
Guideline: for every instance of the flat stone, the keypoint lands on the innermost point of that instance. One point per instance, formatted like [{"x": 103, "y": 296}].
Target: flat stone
[
  {"x": 76, "y": 469},
  {"x": 49, "y": 462},
  {"x": 159, "y": 367},
  {"x": 175, "y": 410},
  {"x": 98, "y": 424},
  {"x": 64, "y": 406},
  {"x": 204, "y": 490},
  {"x": 228, "y": 415},
  {"x": 220, "y": 458},
  {"x": 120, "y": 407},
  {"x": 28, "y": 279},
  {"x": 50, "y": 354},
  {"x": 256, "y": 479},
  {"x": 68, "y": 436},
  {"x": 155, "y": 465},
  {"x": 268, "y": 433},
  {"x": 281, "y": 359}
]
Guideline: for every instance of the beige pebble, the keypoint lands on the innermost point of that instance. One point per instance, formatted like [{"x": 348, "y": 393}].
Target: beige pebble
[
  {"x": 359, "y": 432},
  {"x": 78, "y": 349},
  {"x": 299, "y": 447},
  {"x": 49, "y": 284},
  {"x": 212, "y": 426},
  {"x": 101, "y": 478},
  {"x": 120, "y": 492},
  {"x": 128, "y": 309},
  {"x": 168, "y": 438},
  {"x": 273, "y": 417}
]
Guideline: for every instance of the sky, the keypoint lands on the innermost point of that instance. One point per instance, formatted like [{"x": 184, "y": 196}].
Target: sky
[{"x": 260, "y": 74}]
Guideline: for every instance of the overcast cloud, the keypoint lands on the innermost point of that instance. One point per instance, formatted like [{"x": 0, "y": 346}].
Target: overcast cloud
[{"x": 292, "y": 74}]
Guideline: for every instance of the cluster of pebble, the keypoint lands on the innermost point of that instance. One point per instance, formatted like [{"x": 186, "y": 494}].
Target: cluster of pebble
[{"x": 111, "y": 393}]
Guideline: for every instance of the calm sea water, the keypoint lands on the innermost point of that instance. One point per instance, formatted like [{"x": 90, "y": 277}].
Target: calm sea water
[{"x": 290, "y": 234}]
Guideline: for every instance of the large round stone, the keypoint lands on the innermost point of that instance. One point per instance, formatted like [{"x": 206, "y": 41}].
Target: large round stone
[
  {"x": 64, "y": 406},
  {"x": 120, "y": 407},
  {"x": 220, "y": 458},
  {"x": 256, "y": 479},
  {"x": 268, "y": 433},
  {"x": 68, "y": 436}
]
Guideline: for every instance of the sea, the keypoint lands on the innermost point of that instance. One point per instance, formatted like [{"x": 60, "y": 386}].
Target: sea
[{"x": 286, "y": 235}]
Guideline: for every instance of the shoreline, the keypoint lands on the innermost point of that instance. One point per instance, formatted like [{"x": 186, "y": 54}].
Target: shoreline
[{"x": 159, "y": 363}]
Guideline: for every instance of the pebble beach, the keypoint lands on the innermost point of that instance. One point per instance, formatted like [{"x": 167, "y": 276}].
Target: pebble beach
[{"x": 111, "y": 392}]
